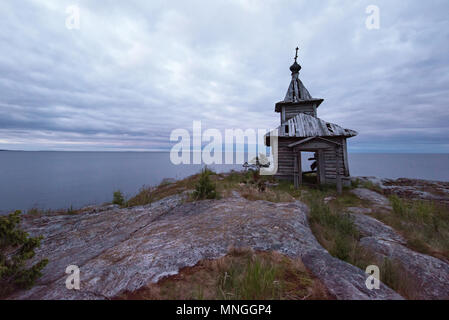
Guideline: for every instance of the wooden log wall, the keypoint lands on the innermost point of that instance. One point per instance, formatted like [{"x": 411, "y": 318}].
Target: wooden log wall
[
  {"x": 285, "y": 159},
  {"x": 292, "y": 111},
  {"x": 329, "y": 165}
]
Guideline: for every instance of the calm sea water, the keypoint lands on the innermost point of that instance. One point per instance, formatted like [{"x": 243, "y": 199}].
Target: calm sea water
[{"x": 63, "y": 179}]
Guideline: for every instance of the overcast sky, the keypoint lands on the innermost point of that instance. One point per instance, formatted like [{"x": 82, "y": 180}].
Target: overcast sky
[{"x": 135, "y": 70}]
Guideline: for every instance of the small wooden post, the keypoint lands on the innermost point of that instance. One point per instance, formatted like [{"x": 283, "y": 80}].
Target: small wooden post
[
  {"x": 321, "y": 172},
  {"x": 337, "y": 165},
  {"x": 295, "y": 170}
]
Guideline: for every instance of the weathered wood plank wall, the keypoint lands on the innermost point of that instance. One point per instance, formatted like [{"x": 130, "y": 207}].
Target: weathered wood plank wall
[
  {"x": 328, "y": 166},
  {"x": 293, "y": 111}
]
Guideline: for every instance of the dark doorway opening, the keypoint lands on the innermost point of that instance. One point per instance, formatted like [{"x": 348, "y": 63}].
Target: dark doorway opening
[{"x": 309, "y": 166}]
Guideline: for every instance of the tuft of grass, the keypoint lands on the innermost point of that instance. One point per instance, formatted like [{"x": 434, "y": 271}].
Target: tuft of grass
[
  {"x": 41, "y": 212},
  {"x": 266, "y": 276},
  {"x": 335, "y": 230},
  {"x": 242, "y": 275},
  {"x": 147, "y": 195},
  {"x": 166, "y": 182},
  {"x": 257, "y": 280},
  {"x": 35, "y": 211},
  {"x": 118, "y": 198},
  {"x": 249, "y": 184},
  {"x": 424, "y": 224},
  {"x": 397, "y": 278},
  {"x": 253, "y": 187},
  {"x": 70, "y": 210},
  {"x": 421, "y": 212},
  {"x": 348, "y": 199},
  {"x": 357, "y": 183},
  {"x": 322, "y": 214}
]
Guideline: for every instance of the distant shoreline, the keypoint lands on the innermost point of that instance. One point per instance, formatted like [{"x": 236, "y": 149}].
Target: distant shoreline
[{"x": 167, "y": 151}]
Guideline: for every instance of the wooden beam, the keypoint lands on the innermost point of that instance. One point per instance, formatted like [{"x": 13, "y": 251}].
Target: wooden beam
[
  {"x": 295, "y": 171},
  {"x": 291, "y": 145},
  {"x": 294, "y": 144},
  {"x": 283, "y": 115},
  {"x": 345, "y": 160},
  {"x": 314, "y": 145},
  {"x": 339, "y": 183},
  {"x": 338, "y": 144},
  {"x": 321, "y": 171}
]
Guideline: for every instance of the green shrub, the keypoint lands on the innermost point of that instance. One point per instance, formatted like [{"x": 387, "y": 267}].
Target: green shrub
[
  {"x": 205, "y": 189},
  {"x": 118, "y": 198},
  {"x": 16, "y": 247}
]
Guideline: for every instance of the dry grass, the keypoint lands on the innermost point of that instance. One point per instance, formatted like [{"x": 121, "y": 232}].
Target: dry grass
[
  {"x": 242, "y": 275},
  {"x": 424, "y": 224},
  {"x": 335, "y": 230},
  {"x": 37, "y": 212},
  {"x": 253, "y": 194},
  {"x": 357, "y": 183},
  {"x": 147, "y": 195},
  {"x": 393, "y": 274},
  {"x": 337, "y": 233},
  {"x": 248, "y": 186}
]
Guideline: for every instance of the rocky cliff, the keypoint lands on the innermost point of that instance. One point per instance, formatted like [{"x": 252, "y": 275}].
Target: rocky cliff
[{"x": 123, "y": 249}]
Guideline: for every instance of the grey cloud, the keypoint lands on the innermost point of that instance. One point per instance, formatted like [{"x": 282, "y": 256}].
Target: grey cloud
[{"x": 138, "y": 69}]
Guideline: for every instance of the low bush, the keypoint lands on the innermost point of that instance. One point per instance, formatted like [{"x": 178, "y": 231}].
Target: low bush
[
  {"x": 205, "y": 188},
  {"x": 118, "y": 198}
]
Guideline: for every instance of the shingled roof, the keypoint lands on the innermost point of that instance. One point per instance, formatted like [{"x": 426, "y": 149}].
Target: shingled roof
[
  {"x": 304, "y": 125},
  {"x": 297, "y": 93}
]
